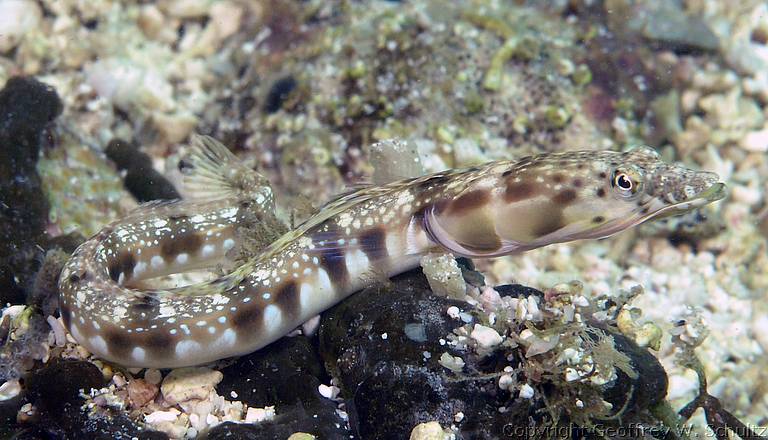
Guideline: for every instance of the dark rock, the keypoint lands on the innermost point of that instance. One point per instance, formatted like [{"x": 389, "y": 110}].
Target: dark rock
[
  {"x": 59, "y": 384},
  {"x": 8, "y": 410},
  {"x": 55, "y": 392},
  {"x": 288, "y": 421},
  {"x": 141, "y": 179},
  {"x": 285, "y": 374},
  {"x": 650, "y": 386},
  {"x": 391, "y": 385},
  {"x": 279, "y": 93},
  {"x": 27, "y": 106}
]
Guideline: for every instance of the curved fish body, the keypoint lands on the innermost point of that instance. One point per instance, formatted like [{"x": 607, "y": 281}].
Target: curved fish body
[{"x": 495, "y": 209}]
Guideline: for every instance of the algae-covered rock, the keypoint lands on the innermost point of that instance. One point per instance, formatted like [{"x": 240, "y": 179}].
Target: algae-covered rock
[
  {"x": 141, "y": 179},
  {"x": 27, "y": 106},
  {"x": 394, "y": 381}
]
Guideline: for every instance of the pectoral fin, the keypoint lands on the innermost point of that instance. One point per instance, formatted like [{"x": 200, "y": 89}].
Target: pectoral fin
[{"x": 472, "y": 234}]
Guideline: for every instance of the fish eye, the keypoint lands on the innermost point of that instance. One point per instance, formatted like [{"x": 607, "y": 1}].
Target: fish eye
[
  {"x": 623, "y": 182},
  {"x": 626, "y": 182}
]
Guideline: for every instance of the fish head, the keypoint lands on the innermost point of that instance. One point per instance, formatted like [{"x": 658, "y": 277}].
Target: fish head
[{"x": 560, "y": 197}]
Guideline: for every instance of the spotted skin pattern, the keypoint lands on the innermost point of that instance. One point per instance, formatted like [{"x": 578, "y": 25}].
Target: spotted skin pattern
[{"x": 495, "y": 209}]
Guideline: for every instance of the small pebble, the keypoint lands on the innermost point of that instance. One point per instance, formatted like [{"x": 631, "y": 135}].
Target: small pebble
[
  {"x": 427, "y": 431},
  {"x": 256, "y": 415},
  {"x": 153, "y": 376},
  {"x": 581, "y": 301},
  {"x": 453, "y": 363},
  {"x": 329, "y": 392},
  {"x": 161, "y": 416},
  {"x": 526, "y": 391},
  {"x": 141, "y": 392},
  {"x": 486, "y": 336},
  {"x": 185, "y": 384},
  {"x": 9, "y": 389},
  {"x": 755, "y": 141}
]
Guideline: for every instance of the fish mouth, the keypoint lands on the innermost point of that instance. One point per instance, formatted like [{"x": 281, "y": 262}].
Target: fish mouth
[
  {"x": 713, "y": 193},
  {"x": 659, "y": 209}
]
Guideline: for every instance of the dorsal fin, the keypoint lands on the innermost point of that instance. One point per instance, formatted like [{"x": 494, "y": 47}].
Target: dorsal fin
[{"x": 211, "y": 171}]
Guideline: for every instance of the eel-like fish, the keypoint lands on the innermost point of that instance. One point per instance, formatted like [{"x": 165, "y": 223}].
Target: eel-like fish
[{"x": 499, "y": 208}]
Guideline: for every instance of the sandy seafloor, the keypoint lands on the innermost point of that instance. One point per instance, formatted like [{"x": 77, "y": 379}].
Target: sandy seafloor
[{"x": 465, "y": 82}]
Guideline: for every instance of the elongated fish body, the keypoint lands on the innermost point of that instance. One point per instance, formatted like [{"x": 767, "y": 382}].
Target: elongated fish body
[{"x": 496, "y": 209}]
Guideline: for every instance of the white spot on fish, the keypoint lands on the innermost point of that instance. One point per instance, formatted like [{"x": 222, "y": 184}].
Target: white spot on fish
[
  {"x": 140, "y": 267},
  {"x": 305, "y": 295},
  {"x": 187, "y": 348},
  {"x": 357, "y": 262},
  {"x": 230, "y": 212},
  {"x": 222, "y": 319},
  {"x": 393, "y": 245},
  {"x": 197, "y": 218},
  {"x": 324, "y": 281},
  {"x": 159, "y": 223},
  {"x": 229, "y": 244},
  {"x": 219, "y": 299},
  {"x": 156, "y": 262},
  {"x": 273, "y": 317},
  {"x": 98, "y": 344},
  {"x": 200, "y": 323},
  {"x": 208, "y": 250},
  {"x": 212, "y": 330},
  {"x": 138, "y": 354},
  {"x": 166, "y": 311},
  {"x": 227, "y": 339},
  {"x": 182, "y": 258},
  {"x": 76, "y": 333}
]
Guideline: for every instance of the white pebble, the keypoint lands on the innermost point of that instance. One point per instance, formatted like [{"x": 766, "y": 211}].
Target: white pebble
[
  {"x": 9, "y": 389},
  {"x": 506, "y": 381},
  {"x": 153, "y": 376},
  {"x": 486, "y": 336},
  {"x": 526, "y": 391},
  {"x": 161, "y": 416},
  {"x": 581, "y": 301},
  {"x": 329, "y": 392},
  {"x": 453, "y": 363},
  {"x": 453, "y": 312},
  {"x": 58, "y": 331},
  {"x": 755, "y": 141},
  {"x": 17, "y": 17},
  {"x": 256, "y": 415}
]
